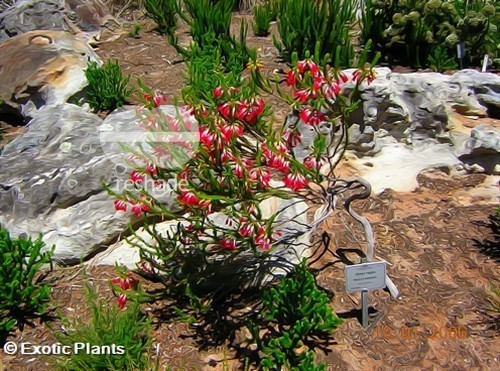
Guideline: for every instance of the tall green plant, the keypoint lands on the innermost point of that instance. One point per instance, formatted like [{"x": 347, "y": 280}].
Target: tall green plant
[
  {"x": 21, "y": 293},
  {"x": 163, "y": 12},
  {"x": 303, "y": 25},
  {"x": 262, "y": 15}
]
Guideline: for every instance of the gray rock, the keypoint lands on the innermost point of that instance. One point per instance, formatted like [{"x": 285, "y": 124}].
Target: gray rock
[
  {"x": 415, "y": 107},
  {"x": 42, "y": 68},
  {"x": 482, "y": 150},
  {"x": 52, "y": 181},
  {"x": 56, "y": 15}
]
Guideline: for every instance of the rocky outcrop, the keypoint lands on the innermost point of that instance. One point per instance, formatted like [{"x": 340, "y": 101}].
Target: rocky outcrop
[
  {"x": 57, "y": 15},
  {"x": 413, "y": 107},
  {"x": 52, "y": 181},
  {"x": 482, "y": 150},
  {"x": 41, "y": 68}
]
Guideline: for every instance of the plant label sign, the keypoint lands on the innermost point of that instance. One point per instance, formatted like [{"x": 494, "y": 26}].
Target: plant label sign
[{"x": 365, "y": 276}]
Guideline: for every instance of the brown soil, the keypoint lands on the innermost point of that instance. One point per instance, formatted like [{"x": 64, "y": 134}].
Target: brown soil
[{"x": 441, "y": 254}]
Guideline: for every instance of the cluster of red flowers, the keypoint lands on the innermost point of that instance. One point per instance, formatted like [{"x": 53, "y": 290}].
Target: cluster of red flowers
[{"x": 124, "y": 283}]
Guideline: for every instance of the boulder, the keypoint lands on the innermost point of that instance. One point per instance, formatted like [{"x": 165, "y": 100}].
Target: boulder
[
  {"x": 74, "y": 16},
  {"x": 42, "y": 68},
  {"x": 52, "y": 181},
  {"x": 482, "y": 150}
]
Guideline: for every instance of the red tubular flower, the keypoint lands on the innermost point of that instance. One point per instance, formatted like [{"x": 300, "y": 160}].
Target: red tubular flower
[
  {"x": 218, "y": 92},
  {"x": 262, "y": 176},
  {"x": 332, "y": 90},
  {"x": 159, "y": 99},
  {"x": 231, "y": 131},
  {"x": 291, "y": 80},
  {"x": 151, "y": 169},
  {"x": 189, "y": 198},
  {"x": 245, "y": 229},
  {"x": 295, "y": 181},
  {"x": 262, "y": 241},
  {"x": 205, "y": 136},
  {"x": 312, "y": 163},
  {"x": 303, "y": 95},
  {"x": 225, "y": 110},
  {"x": 293, "y": 138},
  {"x": 136, "y": 177},
  {"x": 120, "y": 205},
  {"x": 311, "y": 116},
  {"x": 228, "y": 244},
  {"x": 139, "y": 208},
  {"x": 121, "y": 300}
]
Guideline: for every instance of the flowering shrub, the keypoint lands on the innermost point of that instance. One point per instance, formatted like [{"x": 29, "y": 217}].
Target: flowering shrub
[{"x": 243, "y": 159}]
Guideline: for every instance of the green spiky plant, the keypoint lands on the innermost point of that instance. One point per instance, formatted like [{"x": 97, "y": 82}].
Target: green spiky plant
[
  {"x": 440, "y": 61},
  {"x": 129, "y": 329},
  {"x": 108, "y": 87},
  {"x": 164, "y": 13},
  {"x": 21, "y": 292},
  {"x": 295, "y": 312},
  {"x": 262, "y": 15},
  {"x": 304, "y": 24}
]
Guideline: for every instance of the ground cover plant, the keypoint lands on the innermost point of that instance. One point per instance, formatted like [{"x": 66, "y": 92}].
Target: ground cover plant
[
  {"x": 294, "y": 313},
  {"x": 108, "y": 88},
  {"x": 164, "y": 13},
  {"x": 121, "y": 331},
  {"x": 22, "y": 293}
]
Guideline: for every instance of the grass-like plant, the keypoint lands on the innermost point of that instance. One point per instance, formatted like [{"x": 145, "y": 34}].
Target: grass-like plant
[
  {"x": 21, "y": 293},
  {"x": 126, "y": 331},
  {"x": 262, "y": 15},
  {"x": 304, "y": 24},
  {"x": 164, "y": 13},
  {"x": 294, "y": 313},
  {"x": 108, "y": 87}
]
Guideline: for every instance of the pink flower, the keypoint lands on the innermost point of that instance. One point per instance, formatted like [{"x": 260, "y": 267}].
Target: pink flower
[
  {"x": 245, "y": 229},
  {"x": 295, "y": 181},
  {"x": 225, "y": 110},
  {"x": 262, "y": 241},
  {"x": 302, "y": 95},
  {"x": 151, "y": 169},
  {"x": 263, "y": 177},
  {"x": 312, "y": 163},
  {"x": 332, "y": 90},
  {"x": 291, "y": 80},
  {"x": 218, "y": 92},
  {"x": 139, "y": 208},
  {"x": 121, "y": 300},
  {"x": 136, "y": 177},
  {"x": 231, "y": 131},
  {"x": 205, "y": 136},
  {"x": 120, "y": 205},
  {"x": 311, "y": 116},
  {"x": 159, "y": 99},
  {"x": 189, "y": 198},
  {"x": 228, "y": 244},
  {"x": 249, "y": 111},
  {"x": 293, "y": 138},
  {"x": 279, "y": 163}
]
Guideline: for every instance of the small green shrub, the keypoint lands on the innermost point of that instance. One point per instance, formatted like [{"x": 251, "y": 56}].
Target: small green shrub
[
  {"x": 323, "y": 25},
  {"x": 21, "y": 295},
  {"x": 262, "y": 15},
  {"x": 108, "y": 87},
  {"x": 163, "y": 12},
  {"x": 128, "y": 329},
  {"x": 135, "y": 32},
  {"x": 295, "y": 313}
]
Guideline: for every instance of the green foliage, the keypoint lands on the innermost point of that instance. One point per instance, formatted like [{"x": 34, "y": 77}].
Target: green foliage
[
  {"x": 21, "y": 295},
  {"x": 323, "y": 24},
  {"x": 262, "y": 15},
  {"x": 108, "y": 87},
  {"x": 208, "y": 17},
  {"x": 108, "y": 325},
  {"x": 440, "y": 61},
  {"x": 163, "y": 12},
  {"x": 296, "y": 312},
  {"x": 407, "y": 32}
]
